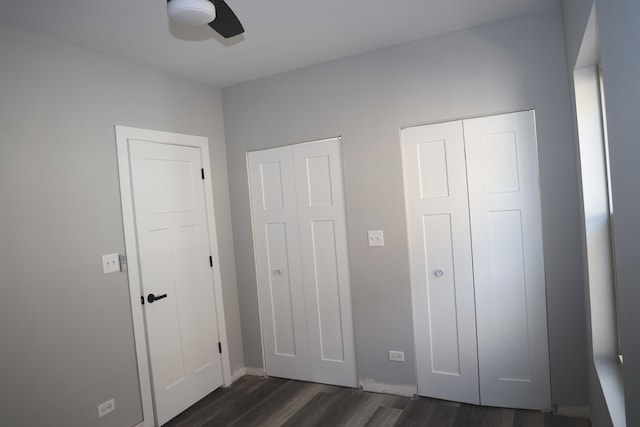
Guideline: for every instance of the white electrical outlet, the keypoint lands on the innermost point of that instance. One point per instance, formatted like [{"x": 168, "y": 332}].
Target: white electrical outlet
[
  {"x": 110, "y": 263},
  {"x": 106, "y": 407},
  {"x": 396, "y": 356},
  {"x": 375, "y": 238}
]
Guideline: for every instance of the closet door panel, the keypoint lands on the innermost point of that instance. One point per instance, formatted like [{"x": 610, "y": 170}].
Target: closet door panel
[
  {"x": 276, "y": 241},
  {"x": 440, "y": 256},
  {"x": 326, "y": 286},
  {"x": 281, "y": 303},
  {"x": 504, "y": 202},
  {"x": 324, "y": 257},
  {"x": 441, "y": 297}
]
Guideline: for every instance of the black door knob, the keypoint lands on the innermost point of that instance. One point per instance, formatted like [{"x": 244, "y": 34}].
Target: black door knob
[{"x": 151, "y": 298}]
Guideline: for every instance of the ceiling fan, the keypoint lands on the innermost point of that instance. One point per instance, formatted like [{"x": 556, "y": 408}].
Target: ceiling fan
[{"x": 216, "y": 13}]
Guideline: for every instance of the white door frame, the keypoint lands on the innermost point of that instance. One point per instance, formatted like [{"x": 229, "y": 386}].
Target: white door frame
[{"x": 123, "y": 135}]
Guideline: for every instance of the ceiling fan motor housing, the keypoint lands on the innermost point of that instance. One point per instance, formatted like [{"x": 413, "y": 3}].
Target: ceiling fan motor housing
[{"x": 191, "y": 12}]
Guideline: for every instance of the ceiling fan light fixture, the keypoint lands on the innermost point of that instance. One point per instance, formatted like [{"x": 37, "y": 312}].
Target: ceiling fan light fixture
[{"x": 191, "y": 12}]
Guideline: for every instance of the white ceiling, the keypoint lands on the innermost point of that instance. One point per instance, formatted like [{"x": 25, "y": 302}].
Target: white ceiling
[{"x": 280, "y": 35}]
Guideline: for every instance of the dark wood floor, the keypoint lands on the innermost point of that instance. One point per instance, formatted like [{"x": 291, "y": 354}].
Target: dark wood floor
[{"x": 260, "y": 401}]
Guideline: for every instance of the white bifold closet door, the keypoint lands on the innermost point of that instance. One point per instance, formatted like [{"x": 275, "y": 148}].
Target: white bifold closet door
[
  {"x": 299, "y": 228},
  {"x": 477, "y": 272},
  {"x": 441, "y": 264}
]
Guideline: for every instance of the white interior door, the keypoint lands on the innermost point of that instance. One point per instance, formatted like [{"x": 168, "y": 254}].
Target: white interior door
[
  {"x": 165, "y": 195},
  {"x": 506, "y": 230},
  {"x": 302, "y": 262},
  {"x": 441, "y": 267}
]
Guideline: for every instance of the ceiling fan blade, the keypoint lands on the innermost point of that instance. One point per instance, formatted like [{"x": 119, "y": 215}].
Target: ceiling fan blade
[{"x": 226, "y": 23}]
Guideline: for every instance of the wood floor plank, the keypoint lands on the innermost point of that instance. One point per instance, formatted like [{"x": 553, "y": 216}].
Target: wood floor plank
[
  {"x": 483, "y": 416},
  {"x": 227, "y": 414},
  {"x": 468, "y": 415},
  {"x": 399, "y": 402},
  {"x": 369, "y": 406},
  {"x": 263, "y": 409},
  {"x": 312, "y": 413},
  {"x": 496, "y": 417},
  {"x": 349, "y": 401},
  {"x": 551, "y": 420},
  {"x": 507, "y": 416},
  {"x": 442, "y": 414},
  {"x": 293, "y": 405},
  {"x": 524, "y": 418},
  {"x": 384, "y": 417},
  {"x": 198, "y": 413},
  {"x": 258, "y": 382},
  {"x": 415, "y": 414},
  {"x": 274, "y": 402}
]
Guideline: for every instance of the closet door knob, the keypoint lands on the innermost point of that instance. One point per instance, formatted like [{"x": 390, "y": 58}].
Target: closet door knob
[
  {"x": 277, "y": 272},
  {"x": 439, "y": 272}
]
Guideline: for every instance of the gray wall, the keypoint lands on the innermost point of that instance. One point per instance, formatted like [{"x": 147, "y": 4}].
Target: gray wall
[
  {"x": 619, "y": 35},
  {"x": 65, "y": 328},
  {"x": 505, "y": 66}
]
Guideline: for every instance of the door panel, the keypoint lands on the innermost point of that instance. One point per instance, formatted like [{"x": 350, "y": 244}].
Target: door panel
[
  {"x": 324, "y": 257},
  {"x": 168, "y": 363},
  {"x": 504, "y": 200},
  {"x": 441, "y": 296},
  {"x": 280, "y": 290},
  {"x": 440, "y": 255},
  {"x": 271, "y": 185},
  {"x": 507, "y": 272},
  {"x": 277, "y": 249},
  {"x": 432, "y": 163},
  {"x": 500, "y": 153},
  {"x": 327, "y": 290},
  {"x": 172, "y": 234}
]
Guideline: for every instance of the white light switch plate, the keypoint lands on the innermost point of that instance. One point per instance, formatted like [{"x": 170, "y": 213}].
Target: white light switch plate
[
  {"x": 110, "y": 263},
  {"x": 375, "y": 238}
]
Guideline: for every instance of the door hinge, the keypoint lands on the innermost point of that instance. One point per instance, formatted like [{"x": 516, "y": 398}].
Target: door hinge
[
  {"x": 220, "y": 347},
  {"x": 202, "y": 172},
  {"x": 210, "y": 261}
]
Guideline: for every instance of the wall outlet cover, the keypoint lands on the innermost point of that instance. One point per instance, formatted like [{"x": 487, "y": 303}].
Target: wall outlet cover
[
  {"x": 396, "y": 356},
  {"x": 106, "y": 407},
  {"x": 375, "y": 238},
  {"x": 110, "y": 263}
]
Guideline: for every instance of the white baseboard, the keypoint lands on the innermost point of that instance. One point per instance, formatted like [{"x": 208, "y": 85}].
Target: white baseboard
[
  {"x": 396, "y": 389},
  {"x": 238, "y": 374},
  {"x": 258, "y": 372}
]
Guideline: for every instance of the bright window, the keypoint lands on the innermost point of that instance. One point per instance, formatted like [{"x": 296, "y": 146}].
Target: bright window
[{"x": 598, "y": 212}]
